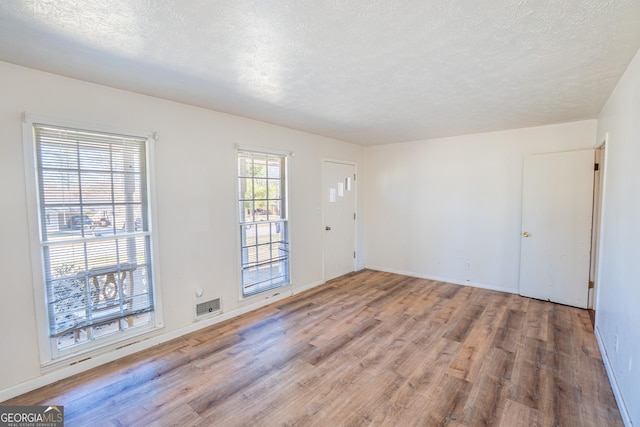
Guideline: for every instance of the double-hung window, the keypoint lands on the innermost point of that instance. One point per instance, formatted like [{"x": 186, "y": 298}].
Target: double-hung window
[
  {"x": 94, "y": 236},
  {"x": 264, "y": 241}
]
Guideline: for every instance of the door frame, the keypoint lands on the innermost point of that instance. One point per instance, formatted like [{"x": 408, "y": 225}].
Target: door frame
[
  {"x": 599, "y": 186},
  {"x": 323, "y": 216}
]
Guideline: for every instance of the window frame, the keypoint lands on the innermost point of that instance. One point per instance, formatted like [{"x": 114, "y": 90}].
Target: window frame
[
  {"x": 286, "y": 158},
  {"x": 50, "y": 355}
]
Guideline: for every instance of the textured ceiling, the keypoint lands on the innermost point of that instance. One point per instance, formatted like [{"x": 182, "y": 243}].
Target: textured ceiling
[{"x": 366, "y": 71}]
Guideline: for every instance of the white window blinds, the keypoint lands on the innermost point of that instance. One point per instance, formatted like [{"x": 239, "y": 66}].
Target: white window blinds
[{"x": 94, "y": 234}]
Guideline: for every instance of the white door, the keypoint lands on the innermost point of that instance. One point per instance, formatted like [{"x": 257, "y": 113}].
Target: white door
[
  {"x": 556, "y": 227},
  {"x": 339, "y": 210}
]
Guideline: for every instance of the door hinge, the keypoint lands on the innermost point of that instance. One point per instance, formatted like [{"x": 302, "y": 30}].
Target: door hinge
[
  {"x": 354, "y": 216},
  {"x": 354, "y": 254},
  {"x": 354, "y": 176},
  {"x": 590, "y": 284},
  {"x": 596, "y": 167}
]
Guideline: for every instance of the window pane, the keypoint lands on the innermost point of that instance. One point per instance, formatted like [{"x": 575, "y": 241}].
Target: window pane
[
  {"x": 103, "y": 220},
  {"x": 129, "y": 218},
  {"x": 273, "y": 170},
  {"x": 57, "y": 153},
  {"x": 274, "y": 209},
  {"x": 127, "y": 188},
  {"x": 61, "y": 187},
  {"x": 258, "y": 166},
  {"x": 93, "y": 198},
  {"x": 263, "y": 243},
  {"x": 72, "y": 338},
  {"x": 274, "y": 189},
  {"x": 248, "y": 235},
  {"x": 94, "y": 156},
  {"x": 135, "y": 320},
  {"x": 245, "y": 189},
  {"x": 65, "y": 259},
  {"x": 259, "y": 189},
  {"x": 107, "y": 328},
  {"x": 246, "y": 211},
  {"x": 69, "y": 302},
  {"x": 278, "y": 232},
  {"x": 244, "y": 166}
]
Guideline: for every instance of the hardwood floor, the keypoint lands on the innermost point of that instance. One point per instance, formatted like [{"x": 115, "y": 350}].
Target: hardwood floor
[{"x": 369, "y": 348}]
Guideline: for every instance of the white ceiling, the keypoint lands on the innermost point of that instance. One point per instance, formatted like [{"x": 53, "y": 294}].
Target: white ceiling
[{"x": 363, "y": 71}]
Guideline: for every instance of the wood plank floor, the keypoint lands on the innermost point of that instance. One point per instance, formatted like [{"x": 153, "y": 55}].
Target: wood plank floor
[{"x": 370, "y": 348}]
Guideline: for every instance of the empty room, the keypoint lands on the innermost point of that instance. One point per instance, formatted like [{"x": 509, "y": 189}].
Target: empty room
[{"x": 240, "y": 213}]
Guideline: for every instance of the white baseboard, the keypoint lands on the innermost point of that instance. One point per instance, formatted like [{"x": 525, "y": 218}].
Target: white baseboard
[
  {"x": 145, "y": 343},
  {"x": 297, "y": 290},
  {"x": 445, "y": 279},
  {"x": 624, "y": 413}
]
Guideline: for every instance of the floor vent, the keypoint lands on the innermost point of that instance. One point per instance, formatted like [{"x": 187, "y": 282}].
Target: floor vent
[{"x": 208, "y": 308}]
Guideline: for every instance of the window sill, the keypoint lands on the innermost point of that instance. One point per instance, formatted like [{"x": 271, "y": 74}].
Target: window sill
[
  {"x": 274, "y": 293},
  {"x": 98, "y": 349}
]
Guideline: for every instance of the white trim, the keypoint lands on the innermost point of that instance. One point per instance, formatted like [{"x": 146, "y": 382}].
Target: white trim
[
  {"x": 33, "y": 208},
  {"x": 97, "y": 347},
  {"x": 342, "y": 162},
  {"x": 445, "y": 279},
  {"x": 50, "y": 357},
  {"x": 144, "y": 343},
  {"x": 622, "y": 407},
  {"x": 263, "y": 150},
  {"x": 249, "y": 299},
  {"x": 308, "y": 286},
  {"x": 53, "y": 121},
  {"x": 600, "y": 153},
  {"x": 152, "y": 210},
  {"x": 603, "y": 213}
]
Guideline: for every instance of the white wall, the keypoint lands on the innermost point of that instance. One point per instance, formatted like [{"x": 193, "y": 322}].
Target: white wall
[
  {"x": 450, "y": 209},
  {"x": 196, "y": 190},
  {"x": 618, "y": 281},
  {"x": 445, "y": 208}
]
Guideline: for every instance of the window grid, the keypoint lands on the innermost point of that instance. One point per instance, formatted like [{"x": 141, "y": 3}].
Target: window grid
[
  {"x": 263, "y": 222},
  {"x": 97, "y": 274}
]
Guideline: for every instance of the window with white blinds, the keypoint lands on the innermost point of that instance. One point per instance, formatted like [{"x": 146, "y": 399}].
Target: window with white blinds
[
  {"x": 94, "y": 234},
  {"x": 264, "y": 223}
]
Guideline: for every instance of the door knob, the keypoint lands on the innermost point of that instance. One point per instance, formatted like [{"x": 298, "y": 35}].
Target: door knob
[
  {"x": 327, "y": 228},
  {"x": 526, "y": 234}
]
